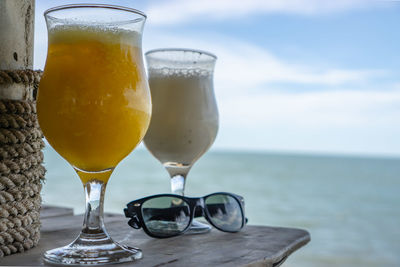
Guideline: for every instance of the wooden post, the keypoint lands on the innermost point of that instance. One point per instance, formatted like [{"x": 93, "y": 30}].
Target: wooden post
[
  {"x": 16, "y": 44},
  {"x": 21, "y": 169}
]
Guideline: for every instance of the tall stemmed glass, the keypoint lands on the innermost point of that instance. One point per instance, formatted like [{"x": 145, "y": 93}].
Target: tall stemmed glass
[
  {"x": 94, "y": 108},
  {"x": 184, "y": 120}
]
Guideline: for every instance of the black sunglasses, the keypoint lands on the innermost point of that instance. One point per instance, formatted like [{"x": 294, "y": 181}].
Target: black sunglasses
[{"x": 169, "y": 215}]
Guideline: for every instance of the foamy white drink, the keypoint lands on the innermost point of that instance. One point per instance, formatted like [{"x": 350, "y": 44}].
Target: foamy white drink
[{"x": 184, "y": 120}]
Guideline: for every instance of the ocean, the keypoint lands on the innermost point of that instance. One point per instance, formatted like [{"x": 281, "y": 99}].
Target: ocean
[{"x": 350, "y": 205}]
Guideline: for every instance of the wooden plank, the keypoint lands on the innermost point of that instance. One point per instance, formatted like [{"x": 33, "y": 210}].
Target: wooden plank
[
  {"x": 53, "y": 211},
  {"x": 253, "y": 246}
]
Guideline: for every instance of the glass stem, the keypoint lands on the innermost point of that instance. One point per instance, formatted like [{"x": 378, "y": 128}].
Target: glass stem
[
  {"x": 93, "y": 224},
  {"x": 178, "y": 184}
]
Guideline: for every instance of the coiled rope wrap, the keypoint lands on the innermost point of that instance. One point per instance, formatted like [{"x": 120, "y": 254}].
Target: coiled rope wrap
[{"x": 21, "y": 170}]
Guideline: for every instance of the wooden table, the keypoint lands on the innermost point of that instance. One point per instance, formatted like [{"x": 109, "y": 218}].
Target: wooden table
[{"x": 253, "y": 246}]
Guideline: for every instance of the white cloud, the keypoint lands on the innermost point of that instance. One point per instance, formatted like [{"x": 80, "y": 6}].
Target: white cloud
[
  {"x": 259, "y": 67},
  {"x": 242, "y": 65},
  {"x": 177, "y": 11},
  {"x": 339, "y": 108},
  {"x": 343, "y": 121}
]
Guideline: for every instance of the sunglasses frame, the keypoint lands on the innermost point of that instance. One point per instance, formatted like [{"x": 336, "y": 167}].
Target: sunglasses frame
[{"x": 134, "y": 211}]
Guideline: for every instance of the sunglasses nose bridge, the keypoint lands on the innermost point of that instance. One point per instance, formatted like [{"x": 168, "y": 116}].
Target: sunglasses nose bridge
[
  {"x": 198, "y": 208},
  {"x": 200, "y": 203}
]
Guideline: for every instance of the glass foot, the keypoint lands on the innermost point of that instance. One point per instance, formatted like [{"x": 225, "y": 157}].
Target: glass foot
[
  {"x": 198, "y": 228},
  {"x": 87, "y": 252}
]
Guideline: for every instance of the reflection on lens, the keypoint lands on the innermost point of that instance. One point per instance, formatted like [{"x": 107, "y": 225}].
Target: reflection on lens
[
  {"x": 166, "y": 216},
  {"x": 224, "y": 212}
]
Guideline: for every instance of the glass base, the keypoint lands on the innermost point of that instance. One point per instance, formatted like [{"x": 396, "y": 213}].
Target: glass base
[
  {"x": 92, "y": 252},
  {"x": 198, "y": 228}
]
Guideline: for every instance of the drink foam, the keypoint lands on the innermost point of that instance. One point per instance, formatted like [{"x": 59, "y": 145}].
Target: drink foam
[
  {"x": 72, "y": 32},
  {"x": 180, "y": 72}
]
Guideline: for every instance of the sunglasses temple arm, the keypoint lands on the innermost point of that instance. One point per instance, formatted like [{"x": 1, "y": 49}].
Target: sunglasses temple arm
[{"x": 134, "y": 220}]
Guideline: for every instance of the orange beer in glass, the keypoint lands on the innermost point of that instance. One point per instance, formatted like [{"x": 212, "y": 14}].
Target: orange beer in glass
[
  {"x": 94, "y": 108},
  {"x": 93, "y": 103}
]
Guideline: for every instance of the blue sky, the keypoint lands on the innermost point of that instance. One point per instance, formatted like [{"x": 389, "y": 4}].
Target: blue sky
[{"x": 292, "y": 75}]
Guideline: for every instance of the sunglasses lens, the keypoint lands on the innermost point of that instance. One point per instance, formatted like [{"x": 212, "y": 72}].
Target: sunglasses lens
[
  {"x": 224, "y": 212},
  {"x": 166, "y": 216}
]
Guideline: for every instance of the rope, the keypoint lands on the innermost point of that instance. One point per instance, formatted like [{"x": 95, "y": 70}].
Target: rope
[
  {"x": 16, "y": 150},
  {"x": 21, "y": 170},
  {"x": 20, "y": 76}
]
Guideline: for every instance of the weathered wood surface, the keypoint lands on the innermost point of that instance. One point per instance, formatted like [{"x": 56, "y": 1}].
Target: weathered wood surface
[
  {"x": 253, "y": 246},
  {"x": 53, "y": 211}
]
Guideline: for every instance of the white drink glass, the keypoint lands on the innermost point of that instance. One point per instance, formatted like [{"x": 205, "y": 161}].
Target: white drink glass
[{"x": 184, "y": 120}]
